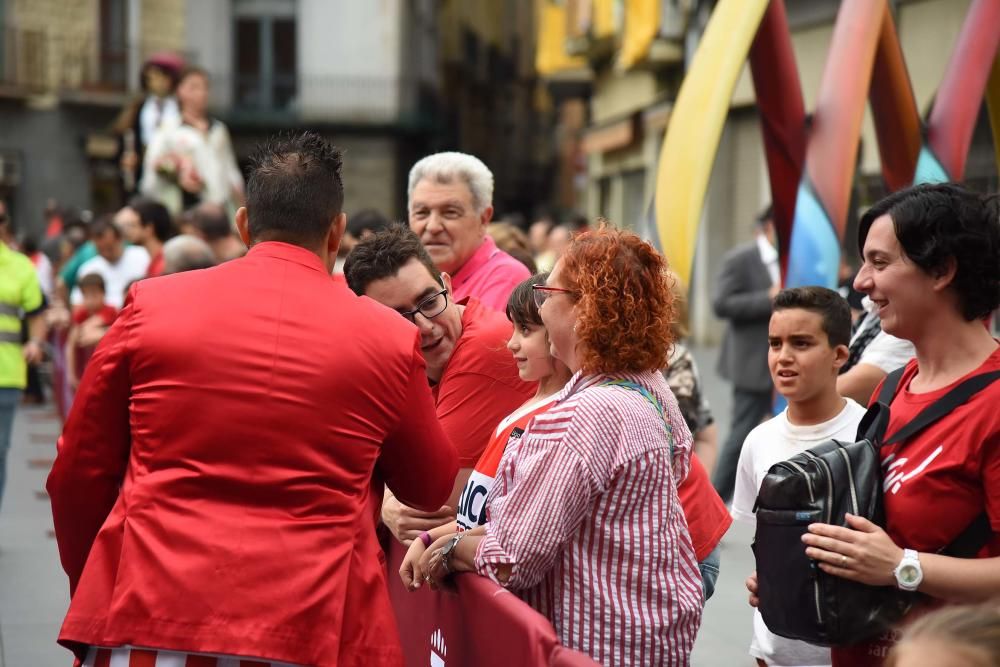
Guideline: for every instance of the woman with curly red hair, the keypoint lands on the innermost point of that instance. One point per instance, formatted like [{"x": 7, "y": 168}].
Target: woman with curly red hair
[{"x": 584, "y": 523}]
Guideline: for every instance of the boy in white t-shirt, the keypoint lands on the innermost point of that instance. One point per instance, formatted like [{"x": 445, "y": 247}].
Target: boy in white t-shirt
[{"x": 807, "y": 338}]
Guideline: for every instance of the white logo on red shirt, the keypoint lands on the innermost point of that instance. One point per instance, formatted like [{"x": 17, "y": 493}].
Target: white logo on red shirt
[{"x": 895, "y": 476}]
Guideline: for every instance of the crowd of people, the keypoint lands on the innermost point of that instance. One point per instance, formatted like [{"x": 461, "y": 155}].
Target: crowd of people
[{"x": 511, "y": 401}]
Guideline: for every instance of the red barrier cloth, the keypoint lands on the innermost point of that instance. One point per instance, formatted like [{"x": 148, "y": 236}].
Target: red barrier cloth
[{"x": 478, "y": 623}]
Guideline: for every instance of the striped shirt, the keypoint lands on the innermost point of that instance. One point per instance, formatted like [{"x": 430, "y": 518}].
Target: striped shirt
[
  {"x": 138, "y": 657},
  {"x": 585, "y": 513}
]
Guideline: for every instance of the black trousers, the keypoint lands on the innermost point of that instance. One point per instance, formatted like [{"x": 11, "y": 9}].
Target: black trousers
[{"x": 749, "y": 408}]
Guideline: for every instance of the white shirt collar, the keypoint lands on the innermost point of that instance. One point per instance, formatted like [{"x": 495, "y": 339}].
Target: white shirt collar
[{"x": 768, "y": 254}]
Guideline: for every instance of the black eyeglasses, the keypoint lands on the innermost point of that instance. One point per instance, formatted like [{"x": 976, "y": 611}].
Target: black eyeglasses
[{"x": 430, "y": 307}]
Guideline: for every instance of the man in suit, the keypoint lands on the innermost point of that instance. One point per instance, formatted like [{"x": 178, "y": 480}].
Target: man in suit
[
  {"x": 747, "y": 283},
  {"x": 211, "y": 489}
]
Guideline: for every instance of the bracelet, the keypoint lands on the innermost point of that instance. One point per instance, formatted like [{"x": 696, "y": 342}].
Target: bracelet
[{"x": 426, "y": 538}]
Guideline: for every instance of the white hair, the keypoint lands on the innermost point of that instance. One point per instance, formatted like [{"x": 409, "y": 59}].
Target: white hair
[
  {"x": 446, "y": 167},
  {"x": 186, "y": 253}
]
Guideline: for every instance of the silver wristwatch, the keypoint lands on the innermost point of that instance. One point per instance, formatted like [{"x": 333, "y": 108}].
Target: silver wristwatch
[
  {"x": 447, "y": 550},
  {"x": 908, "y": 572}
]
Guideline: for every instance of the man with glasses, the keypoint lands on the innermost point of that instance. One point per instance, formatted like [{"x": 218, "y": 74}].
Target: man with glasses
[{"x": 473, "y": 377}]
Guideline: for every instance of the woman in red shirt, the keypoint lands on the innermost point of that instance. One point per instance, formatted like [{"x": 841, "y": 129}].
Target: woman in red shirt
[{"x": 932, "y": 266}]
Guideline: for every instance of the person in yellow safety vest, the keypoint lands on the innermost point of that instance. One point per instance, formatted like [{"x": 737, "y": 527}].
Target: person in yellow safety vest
[{"x": 20, "y": 295}]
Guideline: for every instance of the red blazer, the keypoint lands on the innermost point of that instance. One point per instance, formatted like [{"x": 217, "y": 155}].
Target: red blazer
[{"x": 210, "y": 486}]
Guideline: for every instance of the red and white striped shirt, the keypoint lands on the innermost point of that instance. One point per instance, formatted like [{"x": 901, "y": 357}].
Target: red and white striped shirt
[
  {"x": 138, "y": 657},
  {"x": 584, "y": 510}
]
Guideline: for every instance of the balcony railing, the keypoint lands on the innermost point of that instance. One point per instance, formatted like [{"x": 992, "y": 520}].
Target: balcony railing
[
  {"x": 39, "y": 61},
  {"x": 24, "y": 59}
]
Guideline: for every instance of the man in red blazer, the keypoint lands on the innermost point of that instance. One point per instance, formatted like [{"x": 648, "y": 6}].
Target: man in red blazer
[{"x": 210, "y": 490}]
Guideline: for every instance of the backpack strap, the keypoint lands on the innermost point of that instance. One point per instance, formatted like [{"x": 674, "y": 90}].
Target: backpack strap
[
  {"x": 976, "y": 535},
  {"x": 651, "y": 398},
  {"x": 943, "y": 405},
  {"x": 890, "y": 385}
]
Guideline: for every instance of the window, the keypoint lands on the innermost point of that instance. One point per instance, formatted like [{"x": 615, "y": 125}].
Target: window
[
  {"x": 265, "y": 55},
  {"x": 113, "y": 44}
]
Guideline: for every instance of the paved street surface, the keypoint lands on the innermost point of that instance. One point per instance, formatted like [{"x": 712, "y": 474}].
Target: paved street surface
[
  {"x": 34, "y": 592},
  {"x": 727, "y": 623}
]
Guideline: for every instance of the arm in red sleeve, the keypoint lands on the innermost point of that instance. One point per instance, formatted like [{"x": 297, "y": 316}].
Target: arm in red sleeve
[
  {"x": 470, "y": 405},
  {"x": 418, "y": 461},
  {"x": 93, "y": 449}
]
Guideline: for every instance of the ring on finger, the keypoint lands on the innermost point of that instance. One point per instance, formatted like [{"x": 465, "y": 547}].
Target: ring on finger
[{"x": 843, "y": 560}]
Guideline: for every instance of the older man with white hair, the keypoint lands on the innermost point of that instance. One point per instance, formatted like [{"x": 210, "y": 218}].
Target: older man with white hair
[
  {"x": 186, "y": 253},
  {"x": 450, "y": 206}
]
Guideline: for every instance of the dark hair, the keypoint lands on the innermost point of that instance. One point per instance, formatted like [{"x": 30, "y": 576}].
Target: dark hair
[
  {"x": 765, "y": 216},
  {"x": 169, "y": 66},
  {"x": 383, "y": 255},
  {"x": 521, "y": 308},
  {"x": 152, "y": 212},
  {"x": 211, "y": 220},
  {"x": 91, "y": 280},
  {"x": 935, "y": 223},
  {"x": 29, "y": 244},
  {"x": 367, "y": 220},
  {"x": 575, "y": 222},
  {"x": 294, "y": 191},
  {"x": 833, "y": 308},
  {"x": 103, "y": 224}
]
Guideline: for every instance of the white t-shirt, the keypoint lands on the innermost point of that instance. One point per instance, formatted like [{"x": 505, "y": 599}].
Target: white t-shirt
[
  {"x": 132, "y": 265},
  {"x": 884, "y": 351},
  {"x": 778, "y": 440}
]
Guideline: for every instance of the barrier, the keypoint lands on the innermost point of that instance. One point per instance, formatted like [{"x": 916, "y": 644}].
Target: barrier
[{"x": 478, "y": 623}]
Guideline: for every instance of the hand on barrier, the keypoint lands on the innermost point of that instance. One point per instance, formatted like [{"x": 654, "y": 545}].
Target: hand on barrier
[{"x": 410, "y": 571}]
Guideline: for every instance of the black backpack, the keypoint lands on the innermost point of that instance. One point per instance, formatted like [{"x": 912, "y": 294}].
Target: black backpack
[{"x": 797, "y": 599}]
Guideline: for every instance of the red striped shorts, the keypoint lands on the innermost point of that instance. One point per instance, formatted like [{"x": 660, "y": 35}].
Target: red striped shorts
[{"x": 138, "y": 657}]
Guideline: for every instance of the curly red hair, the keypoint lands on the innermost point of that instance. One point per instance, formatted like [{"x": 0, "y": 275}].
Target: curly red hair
[{"x": 625, "y": 304}]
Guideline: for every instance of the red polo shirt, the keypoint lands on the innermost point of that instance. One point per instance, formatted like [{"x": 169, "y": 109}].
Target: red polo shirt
[{"x": 480, "y": 385}]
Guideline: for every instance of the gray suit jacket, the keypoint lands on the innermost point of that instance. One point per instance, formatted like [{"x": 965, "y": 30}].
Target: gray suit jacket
[{"x": 741, "y": 297}]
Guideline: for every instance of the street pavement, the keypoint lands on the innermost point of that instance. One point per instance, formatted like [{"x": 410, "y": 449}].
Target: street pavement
[{"x": 34, "y": 591}]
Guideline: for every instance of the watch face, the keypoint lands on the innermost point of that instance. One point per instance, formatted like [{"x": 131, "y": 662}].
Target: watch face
[{"x": 909, "y": 575}]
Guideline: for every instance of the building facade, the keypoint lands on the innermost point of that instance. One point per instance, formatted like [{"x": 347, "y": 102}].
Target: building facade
[
  {"x": 386, "y": 81},
  {"x": 629, "y": 103},
  {"x": 67, "y": 68}
]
